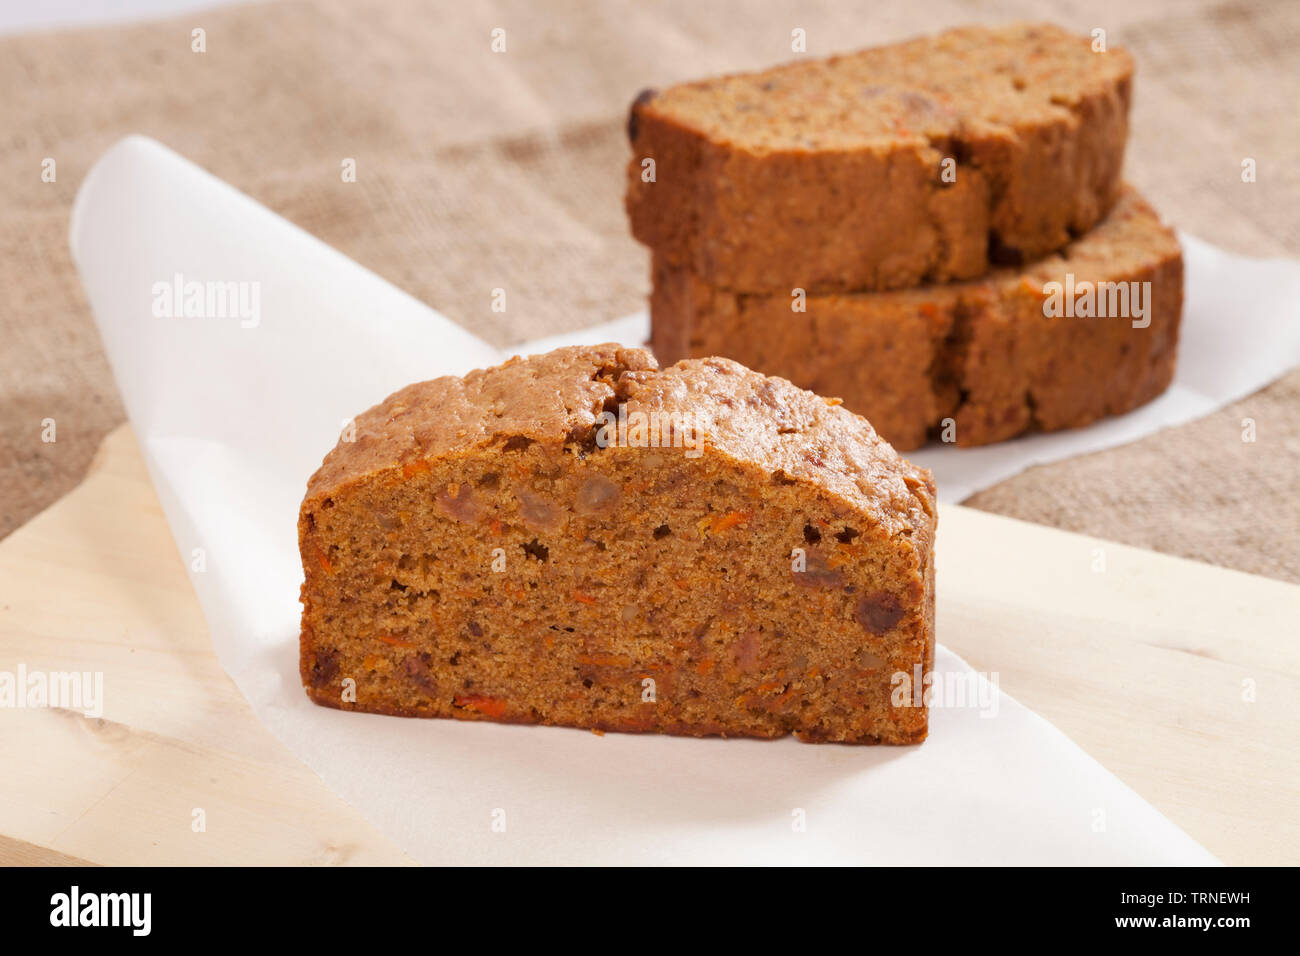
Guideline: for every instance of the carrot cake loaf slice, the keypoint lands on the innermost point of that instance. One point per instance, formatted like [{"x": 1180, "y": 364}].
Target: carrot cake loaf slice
[
  {"x": 582, "y": 538},
  {"x": 921, "y": 161},
  {"x": 1070, "y": 339}
]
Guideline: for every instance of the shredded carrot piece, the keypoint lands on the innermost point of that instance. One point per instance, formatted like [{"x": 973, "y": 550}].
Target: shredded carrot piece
[
  {"x": 493, "y": 707},
  {"x": 415, "y": 468},
  {"x": 325, "y": 563},
  {"x": 783, "y": 698},
  {"x": 395, "y": 641},
  {"x": 496, "y": 526},
  {"x": 583, "y": 598},
  {"x": 730, "y": 520},
  {"x": 705, "y": 666}
]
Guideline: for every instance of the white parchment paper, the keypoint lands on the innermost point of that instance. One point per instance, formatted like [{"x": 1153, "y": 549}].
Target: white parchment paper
[{"x": 234, "y": 413}]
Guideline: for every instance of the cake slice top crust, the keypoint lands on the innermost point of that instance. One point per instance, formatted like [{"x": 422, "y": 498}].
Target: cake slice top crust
[
  {"x": 963, "y": 82},
  {"x": 558, "y": 399}
]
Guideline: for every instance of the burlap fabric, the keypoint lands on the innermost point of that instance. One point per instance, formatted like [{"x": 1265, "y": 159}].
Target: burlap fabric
[{"x": 479, "y": 169}]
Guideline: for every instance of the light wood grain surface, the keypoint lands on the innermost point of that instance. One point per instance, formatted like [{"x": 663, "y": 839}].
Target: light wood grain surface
[
  {"x": 1183, "y": 679},
  {"x": 96, "y": 584}
]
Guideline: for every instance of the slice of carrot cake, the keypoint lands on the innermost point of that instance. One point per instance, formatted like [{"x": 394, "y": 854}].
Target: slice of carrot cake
[{"x": 582, "y": 538}]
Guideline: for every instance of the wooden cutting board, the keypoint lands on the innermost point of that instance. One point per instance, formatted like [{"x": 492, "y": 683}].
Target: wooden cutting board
[{"x": 1181, "y": 678}]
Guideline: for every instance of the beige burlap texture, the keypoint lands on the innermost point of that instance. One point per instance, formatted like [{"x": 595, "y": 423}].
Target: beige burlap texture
[{"x": 479, "y": 169}]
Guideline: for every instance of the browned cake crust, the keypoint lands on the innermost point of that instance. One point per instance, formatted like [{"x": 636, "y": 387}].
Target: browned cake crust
[
  {"x": 982, "y": 353},
  {"x": 480, "y": 551},
  {"x": 826, "y": 175}
]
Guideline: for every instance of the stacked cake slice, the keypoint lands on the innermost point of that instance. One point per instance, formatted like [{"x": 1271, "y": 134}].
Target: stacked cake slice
[{"x": 936, "y": 232}]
